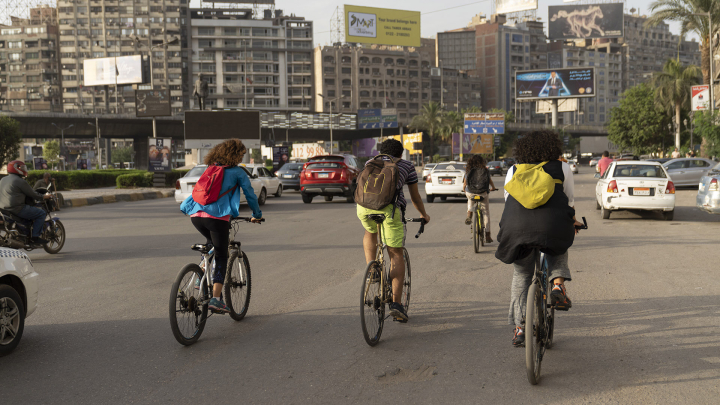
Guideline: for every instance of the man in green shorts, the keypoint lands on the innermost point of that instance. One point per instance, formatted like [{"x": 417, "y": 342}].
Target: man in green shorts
[{"x": 393, "y": 230}]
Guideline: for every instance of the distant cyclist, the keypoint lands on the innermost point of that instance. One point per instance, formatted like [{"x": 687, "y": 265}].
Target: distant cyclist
[
  {"x": 14, "y": 191},
  {"x": 213, "y": 220},
  {"x": 393, "y": 229},
  {"x": 477, "y": 183},
  {"x": 549, "y": 227}
]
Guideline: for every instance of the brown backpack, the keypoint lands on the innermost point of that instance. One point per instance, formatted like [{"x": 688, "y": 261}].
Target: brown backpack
[{"x": 377, "y": 183}]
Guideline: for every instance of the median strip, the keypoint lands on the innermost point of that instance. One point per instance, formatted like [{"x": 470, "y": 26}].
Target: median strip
[{"x": 132, "y": 196}]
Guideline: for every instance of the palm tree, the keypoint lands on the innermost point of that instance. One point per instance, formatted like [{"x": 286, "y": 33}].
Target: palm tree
[
  {"x": 672, "y": 89},
  {"x": 430, "y": 119},
  {"x": 684, "y": 12},
  {"x": 452, "y": 122}
]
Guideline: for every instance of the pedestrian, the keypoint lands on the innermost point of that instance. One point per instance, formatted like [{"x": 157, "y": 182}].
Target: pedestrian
[{"x": 676, "y": 154}]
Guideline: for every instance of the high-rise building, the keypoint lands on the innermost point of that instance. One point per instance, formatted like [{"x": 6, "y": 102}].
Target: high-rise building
[
  {"x": 107, "y": 28},
  {"x": 29, "y": 79},
  {"x": 252, "y": 60}
]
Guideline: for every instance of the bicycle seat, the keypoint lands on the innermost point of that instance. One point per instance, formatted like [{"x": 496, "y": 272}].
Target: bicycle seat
[
  {"x": 478, "y": 198},
  {"x": 204, "y": 249},
  {"x": 379, "y": 218}
]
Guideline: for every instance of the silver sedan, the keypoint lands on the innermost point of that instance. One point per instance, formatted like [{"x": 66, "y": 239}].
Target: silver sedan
[
  {"x": 688, "y": 171},
  {"x": 708, "y": 196}
]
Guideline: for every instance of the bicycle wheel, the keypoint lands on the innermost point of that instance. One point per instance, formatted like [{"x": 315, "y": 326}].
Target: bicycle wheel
[
  {"x": 481, "y": 230},
  {"x": 187, "y": 317},
  {"x": 405, "y": 300},
  {"x": 533, "y": 334},
  {"x": 372, "y": 309},
  {"x": 476, "y": 232},
  {"x": 237, "y": 285}
]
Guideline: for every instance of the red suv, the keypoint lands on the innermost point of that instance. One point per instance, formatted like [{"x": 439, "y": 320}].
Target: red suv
[{"x": 329, "y": 176}]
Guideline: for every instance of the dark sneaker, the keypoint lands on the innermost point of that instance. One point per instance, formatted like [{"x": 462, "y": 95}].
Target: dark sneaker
[
  {"x": 518, "y": 337},
  {"x": 218, "y": 306},
  {"x": 559, "y": 298},
  {"x": 38, "y": 241},
  {"x": 488, "y": 238},
  {"x": 468, "y": 220},
  {"x": 398, "y": 312}
]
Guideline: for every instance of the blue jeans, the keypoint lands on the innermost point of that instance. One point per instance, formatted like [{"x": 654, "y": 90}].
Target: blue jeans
[{"x": 36, "y": 215}]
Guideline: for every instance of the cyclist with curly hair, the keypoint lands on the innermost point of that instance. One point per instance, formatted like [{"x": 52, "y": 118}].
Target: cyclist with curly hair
[
  {"x": 477, "y": 179},
  {"x": 549, "y": 227},
  {"x": 213, "y": 220}
]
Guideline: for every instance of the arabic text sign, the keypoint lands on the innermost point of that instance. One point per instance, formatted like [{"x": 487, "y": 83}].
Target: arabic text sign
[
  {"x": 370, "y": 25},
  {"x": 477, "y": 144},
  {"x": 484, "y": 123},
  {"x": 700, "y": 97},
  {"x": 377, "y": 118},
  {"x": 409, "y": 140},
  {"x": 555, "y": 83}
]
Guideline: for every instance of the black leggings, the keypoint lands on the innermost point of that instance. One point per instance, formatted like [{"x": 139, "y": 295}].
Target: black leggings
[{"x": 217, "y": 232}]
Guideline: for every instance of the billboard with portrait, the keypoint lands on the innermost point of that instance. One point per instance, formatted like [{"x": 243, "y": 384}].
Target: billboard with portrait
[
  {"x": 105, "y": 71},
  {"x": 476, "y": 144},
  {"x": 40, "y": 163},
  {"x": 83, "y": 164},
  {"x": 555, "y": 83},
  {"x": 365, "y": 147},
  {"x": 384, "y": 26},
  {"x": 586, "y": 21},
  {"x": 511, "y": 6},
  {"x": 281, "y": 155},
  {"x": 152, "y": 103},
  {"x": 160, "y": 155}
]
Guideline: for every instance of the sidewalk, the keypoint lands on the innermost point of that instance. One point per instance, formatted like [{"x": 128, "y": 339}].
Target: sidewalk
[{"x": 79, "y": 198}]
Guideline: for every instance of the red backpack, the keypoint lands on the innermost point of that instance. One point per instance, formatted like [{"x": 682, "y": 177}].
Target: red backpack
[{"x": 207, "y": 189}]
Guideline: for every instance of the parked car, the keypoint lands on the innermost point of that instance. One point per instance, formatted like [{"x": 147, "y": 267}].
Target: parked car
[
  {"x": 635, "y": 185},
  {"x": 289, "y": 176},
  {"x": 445, "y": 180},
  {"x": 594, "y": 160},
  {"x": 185, "y": 184},
  {"x": 270, "y": 181},
  {"x": 18, "y": 296},
  {"x": 427, "y": 169},
  {"x": 329, "y": 176},
  {"x": 509, "y": 162},
  {"x": 708, "y": 196},
  {"x": 688, "y": 171},
  {"x": 573, "y": 166},
  {"x": 659, "y": 160},
  {"x": 495, "y": 167}
]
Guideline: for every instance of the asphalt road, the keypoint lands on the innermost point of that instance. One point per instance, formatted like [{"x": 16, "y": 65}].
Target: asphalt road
[{"x": 643, "y": 329}]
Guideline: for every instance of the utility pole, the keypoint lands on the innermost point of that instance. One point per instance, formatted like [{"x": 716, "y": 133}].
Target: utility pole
[
  {"x": 173, "y": 41},
  {"x": 62, "y": 140},
  {"x": 442, "y": 85}
]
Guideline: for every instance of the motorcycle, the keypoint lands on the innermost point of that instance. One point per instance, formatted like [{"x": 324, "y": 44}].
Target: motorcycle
[{"x": 15, "y": 232}]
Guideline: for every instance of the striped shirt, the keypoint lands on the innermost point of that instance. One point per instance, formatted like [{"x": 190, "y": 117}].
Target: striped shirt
[{"x": 406, "y": 175}]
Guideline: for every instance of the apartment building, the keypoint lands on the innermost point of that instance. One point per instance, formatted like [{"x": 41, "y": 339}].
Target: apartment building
[
  {"x": 107, "y": 28},
  {"x": 252, "y": 61},
  {"x": 29, "y": 79},
  {"x": 379, "y": 76}
]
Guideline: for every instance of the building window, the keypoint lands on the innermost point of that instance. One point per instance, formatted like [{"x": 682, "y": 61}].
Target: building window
[
  {"x": 591, "y": 117},
  {"x": 602, "y": 117},
  {"x": 206, "y": 31},
  {"x": 569, "y": 63}
]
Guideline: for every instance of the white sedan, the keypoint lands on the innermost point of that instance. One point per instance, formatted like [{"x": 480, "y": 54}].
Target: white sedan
[
  {"x": 573, "y": 166},
  {"x": 635, "y": 185},
  {"x": 270, "y": 181},
  {"x": 445, "y": 180},
  {"x": 184, "y": 185},
  {"x": 18, "y": 296}
]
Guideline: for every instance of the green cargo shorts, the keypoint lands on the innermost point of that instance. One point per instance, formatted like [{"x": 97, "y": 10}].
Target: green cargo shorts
[{"x": 393, "y": 229}]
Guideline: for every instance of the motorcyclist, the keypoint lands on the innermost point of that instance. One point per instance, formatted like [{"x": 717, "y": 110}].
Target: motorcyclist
[{"x": 13, "y": 192}]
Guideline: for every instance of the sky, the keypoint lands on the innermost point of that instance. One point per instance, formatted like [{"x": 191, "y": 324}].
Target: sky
[{"x": 437, "y": 16}]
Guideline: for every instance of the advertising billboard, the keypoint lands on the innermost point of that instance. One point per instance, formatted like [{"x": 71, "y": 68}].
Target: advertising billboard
[
  {"x": 104, "y": 71},
  {"x": 152, "y": 103},
  {"x": 209, "y": 125},
  {"x": 564, "y": 105},
  {"x": 384, "y": 26},
  {"x": 366, "y": 147},
  {"x": 377, "y": 118},
  {"x": 586, "y": 21},
  {"x": 409, "y": 141},
  {"x": 281, "y": 155},
  {"x": 484, "y": 123},
  {"x": 477, "y": 144},
  {"x": 160, "y": 155},
  {"x": 555, "y": 83},
  {"x": 701, "y": 97},
  {"x": 511, "y": 6}
]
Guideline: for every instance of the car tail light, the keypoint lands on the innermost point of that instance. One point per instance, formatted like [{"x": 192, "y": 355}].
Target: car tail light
[
  {"x": 670, "y": 189},
  {"x": 429, "y": 179},
  {"x": 714, "y": 185},
  {"x": 177, "y": 184},
  {"x": 612, "y": 187},
  {"x": 497, "y": 167}
]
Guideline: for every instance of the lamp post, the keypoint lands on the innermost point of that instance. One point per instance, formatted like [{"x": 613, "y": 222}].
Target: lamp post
[
  {"x": 62, "y": 139},
  {"x": 712, "y": 61},
  {"x": 331, "y": 100}
]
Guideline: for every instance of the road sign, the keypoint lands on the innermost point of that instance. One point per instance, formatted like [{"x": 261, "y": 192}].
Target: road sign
[
  {"x": 377, "y": 118},
  {"x": 566, "y": 140},
  {"x": 484, "y": 123},
  {"x": 701, "y": 97},
  {"x": 498, "y": 141}
]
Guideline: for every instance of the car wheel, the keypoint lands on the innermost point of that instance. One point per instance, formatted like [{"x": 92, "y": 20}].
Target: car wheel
[
  {"x": 668, "y": 215},
  {"x": 262, "y": 197},
  {"x": 328, "y": 198},
  {"x": 443, "y": 198},
  {"x": 604, "y": 212},
  {"x": 279, "y": 191},
  {"x": 307, "y": 199},
  {"x": 430, "y": 198},
  {"x": 597, "y": 205},
  {"x": 12, "y": 319}
]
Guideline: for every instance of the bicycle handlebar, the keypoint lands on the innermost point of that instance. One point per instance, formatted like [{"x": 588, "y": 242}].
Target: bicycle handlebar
[
  {"x": 422, "y": 225},
  {"x": 582, "y": 226},
  {"x": 246, "y": 219}
]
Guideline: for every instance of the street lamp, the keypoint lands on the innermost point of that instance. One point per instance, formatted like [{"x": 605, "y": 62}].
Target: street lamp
[
  {"x": 331, "y": 100},
  {"x": 710, "y": 43},
  {"x": 62, "y": 139}
]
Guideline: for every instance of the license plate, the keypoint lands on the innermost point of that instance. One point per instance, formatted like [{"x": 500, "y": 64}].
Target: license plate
[
  {"x": 191, "y": 185},
  {"x": 641, "y": 191},
  {"x": 287, "y": 176},
  {"x": 446, "y": 180},
  {"x": 323, "y": 175}
]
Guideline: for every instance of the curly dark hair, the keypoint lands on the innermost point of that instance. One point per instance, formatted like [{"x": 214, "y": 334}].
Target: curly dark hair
[
  {"x": 392, "y": 147},
  {"x": 538, "y": 146},
  {"x": 475, "y": 161},
  {"x": 228, "y": 153}
]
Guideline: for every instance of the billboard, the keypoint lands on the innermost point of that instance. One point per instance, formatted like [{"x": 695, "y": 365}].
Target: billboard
[
  {"x": 377, "y": 118},
  {"x": 384, "y": 26},
  {"x": 152, "y": 103},
  {"x": 281, "y": 155},
  {"x": 700, "y": 97},
  {"x": 511, "y": 6},
  {"x": 211, "y": 125},
  {"x": 477, "y": 144},
  {"x": 159, "y": 155},
  {"x": 555, "y": 83},
  {"x": 366, "y": 147},
  {"x": 564, "y": 105},
  {"x": 409, "y": 140},
  {"x": 104, "y": 71},
  {"x": 484, "y": 123},
  {"x": 586, "y": 21}
]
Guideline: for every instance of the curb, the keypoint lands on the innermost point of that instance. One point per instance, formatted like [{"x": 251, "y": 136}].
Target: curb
[{"x": 149, "y": 195}]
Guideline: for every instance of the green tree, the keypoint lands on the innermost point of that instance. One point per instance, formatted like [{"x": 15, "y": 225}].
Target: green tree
[
  {"x": 706, "y": 127},
  {"x": 430, "y": 119},
  {"x": 51, "y": 151},
  {"x": 672, "y": 90},
  {"x": 10, "y": 140},
  {"x": 637, "y": 123},
  {"x": 452, "y": 122},
  {"x": 121, "y": 155}
]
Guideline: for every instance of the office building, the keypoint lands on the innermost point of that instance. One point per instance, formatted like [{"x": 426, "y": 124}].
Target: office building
[{"x": 252, "y": 60}]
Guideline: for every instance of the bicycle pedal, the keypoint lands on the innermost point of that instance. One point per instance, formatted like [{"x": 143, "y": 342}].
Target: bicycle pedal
[{"x": 400, "y": 320}]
